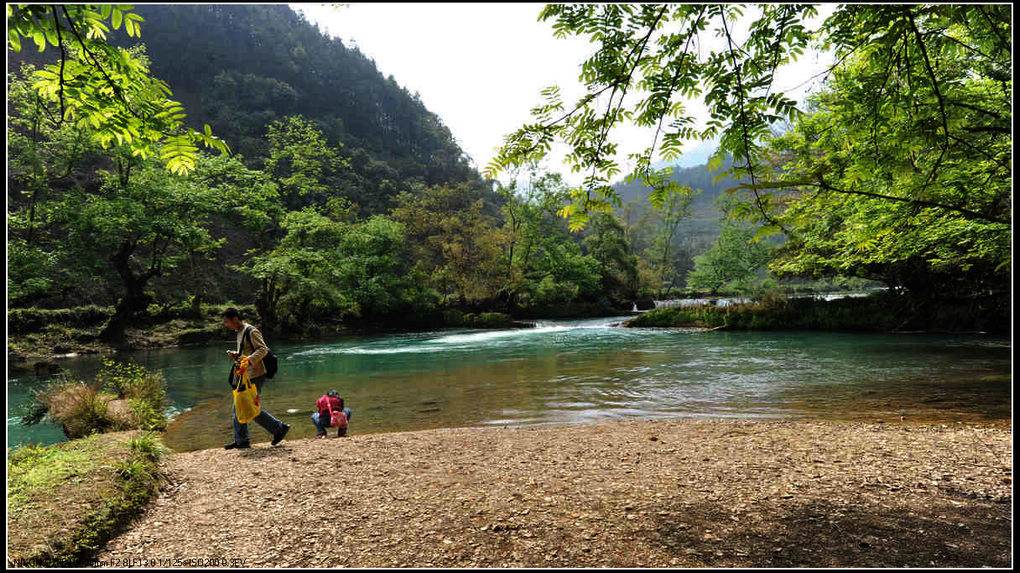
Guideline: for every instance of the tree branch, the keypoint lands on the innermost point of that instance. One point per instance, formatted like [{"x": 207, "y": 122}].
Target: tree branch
[
  {"x": 938, "y": 96},
  {"x": 893, "y": 58},
  {"x": 991, "y": 24},
  {"x": 970, "y": 48},
  {"x": 991, "y": 157},
  {"x": 973, "y": 107},
  {"x": 743, "y": 125},
  {"x": 625, "y": 84},
  {"x": 783, "y": 23},
  {"x": 822, "y": 184},
  {"x": 63, "y": 59},
  {"x": 672, "y": 85},
  {"x": 95, "y": 61},
  {"x": 989, "y": 129}
]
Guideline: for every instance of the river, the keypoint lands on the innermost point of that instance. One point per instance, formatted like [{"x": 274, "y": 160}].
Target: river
[{"x": 579, "y": 372}]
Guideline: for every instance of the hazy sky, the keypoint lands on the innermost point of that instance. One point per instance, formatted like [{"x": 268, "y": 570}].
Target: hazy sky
[{"x": 480, "y": 67}]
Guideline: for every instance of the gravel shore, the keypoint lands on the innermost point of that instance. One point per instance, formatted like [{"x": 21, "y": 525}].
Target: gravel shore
[{"x": 664, "y": 493}]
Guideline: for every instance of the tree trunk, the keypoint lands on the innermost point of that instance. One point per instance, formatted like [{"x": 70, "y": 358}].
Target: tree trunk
[
  {"x": 265, "y": 305},
  {"x": 134, "y": 301},
  {"x": 196, "y": 305}
]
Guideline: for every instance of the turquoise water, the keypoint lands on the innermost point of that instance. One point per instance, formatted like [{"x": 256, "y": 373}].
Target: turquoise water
[{"x": 579, "y": 372}]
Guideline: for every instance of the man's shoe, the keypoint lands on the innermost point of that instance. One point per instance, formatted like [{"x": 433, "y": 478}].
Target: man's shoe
[
  {"x": 233, "y": 445},
  {"x": 320, "y": 436},
  {"x": 278, "y": 436}
]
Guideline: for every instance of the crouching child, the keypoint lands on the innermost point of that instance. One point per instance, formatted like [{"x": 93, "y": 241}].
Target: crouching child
[{"x": 331, "y": 414}]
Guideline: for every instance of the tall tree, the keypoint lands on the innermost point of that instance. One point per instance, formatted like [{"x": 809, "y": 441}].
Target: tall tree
[
  {"x": 458, "y": 243},
  {"x": 143, "y": 220},
  {"x": 327, "y": 268},
  {"x": 527, "y": 213},
  {"x": 302, "y": 162},
  {"x": 663, "y": 252},
  {"x": 733, "y": 262},
  {"x": 607, "y": 244}
]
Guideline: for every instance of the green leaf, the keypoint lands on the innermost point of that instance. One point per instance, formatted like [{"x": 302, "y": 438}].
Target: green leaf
[
  {"x": 15, "y": 39},
  {"x": 40, "y": 39}
]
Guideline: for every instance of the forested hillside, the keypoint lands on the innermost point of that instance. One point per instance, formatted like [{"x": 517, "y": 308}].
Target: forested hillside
[
  {"x": 310, "y": 123},
  {"x": 343, "y": 199},
  {"x": 239, "y": 67},
  {"x": 702, "y": 224}
]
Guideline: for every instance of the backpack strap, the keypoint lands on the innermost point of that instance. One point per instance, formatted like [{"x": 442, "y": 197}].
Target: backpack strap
[
  {"x": 329, "y": 407},
  {"x": 245, "y": 336},
  {"x": 240, "y": 347}
]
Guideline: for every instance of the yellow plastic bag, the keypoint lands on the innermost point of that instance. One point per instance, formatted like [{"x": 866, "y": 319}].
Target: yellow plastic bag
[{"x": 246, "y": 396}]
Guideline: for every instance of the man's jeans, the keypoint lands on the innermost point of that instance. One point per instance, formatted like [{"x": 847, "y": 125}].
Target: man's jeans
[
  {"x": 324, "y": 425},
  {"x": 264, "y": 419}
]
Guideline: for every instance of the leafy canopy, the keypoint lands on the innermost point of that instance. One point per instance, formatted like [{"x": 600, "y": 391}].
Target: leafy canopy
[
  {"x": 150, "y": 218},
  {"x": 651, "y": 59},
  {"x": 901, "y": 170},
  {"x": 106, "y": 88}
]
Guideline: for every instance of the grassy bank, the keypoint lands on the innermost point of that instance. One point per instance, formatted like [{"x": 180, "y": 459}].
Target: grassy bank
[
  {"x": 883, "y": 312},
  {"x": 67, "y": 500}
]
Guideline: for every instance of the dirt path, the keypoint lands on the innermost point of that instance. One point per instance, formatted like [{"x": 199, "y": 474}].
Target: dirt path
[{"x": 646, "y": 493}]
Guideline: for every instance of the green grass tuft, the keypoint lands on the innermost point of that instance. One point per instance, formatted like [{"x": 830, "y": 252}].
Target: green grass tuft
[{"x": 67, "y": 500}]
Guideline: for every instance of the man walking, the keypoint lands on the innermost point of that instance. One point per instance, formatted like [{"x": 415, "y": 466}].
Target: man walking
[{"x": 251, "y": 344}]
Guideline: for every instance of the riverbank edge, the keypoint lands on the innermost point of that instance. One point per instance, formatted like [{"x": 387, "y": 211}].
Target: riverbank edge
[
  {"x": 37, "y": 337},
  {"x": 522, "y": 530},
  {"x": 46, "y": 529},
  {"x": 873, "y": 313}
]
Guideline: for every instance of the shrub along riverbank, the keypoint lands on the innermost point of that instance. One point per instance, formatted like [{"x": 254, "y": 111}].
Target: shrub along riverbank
[
  {"x": 123, "y": 396},
  {"x": 65, "y": 501},
  {"x": 35, "y": 335},
  {"x": 884, "y": 312}
]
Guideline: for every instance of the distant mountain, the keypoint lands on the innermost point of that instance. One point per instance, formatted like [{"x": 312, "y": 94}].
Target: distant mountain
[
  {"x": 245, "y": 64},
  {"x": 698, "y": 231},
  {"x": 238, "y": 67},
  {"x": 693, "y": 158}
]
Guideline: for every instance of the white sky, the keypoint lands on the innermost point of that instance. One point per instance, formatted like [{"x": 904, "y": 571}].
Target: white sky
[{"x": 480, "y": 67}]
